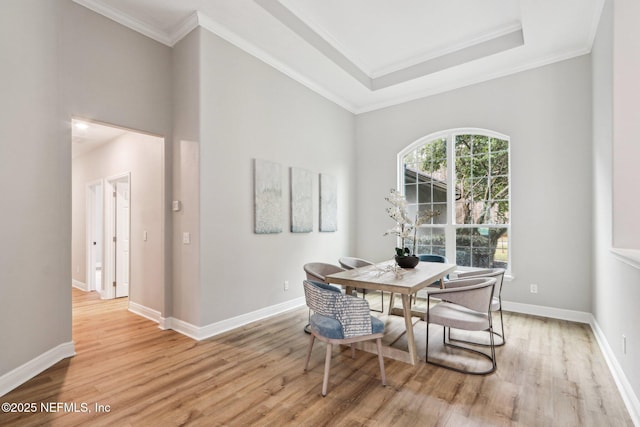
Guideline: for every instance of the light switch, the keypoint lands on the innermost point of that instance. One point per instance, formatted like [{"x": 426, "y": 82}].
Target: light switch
[
  {"x": 186, "y": 238},
  {"x": 145, "y": 235},
  {"x": 176, "y": 205}
]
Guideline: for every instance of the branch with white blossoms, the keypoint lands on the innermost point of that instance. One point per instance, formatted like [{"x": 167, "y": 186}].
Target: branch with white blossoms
[{"x": 405, "y": 227}]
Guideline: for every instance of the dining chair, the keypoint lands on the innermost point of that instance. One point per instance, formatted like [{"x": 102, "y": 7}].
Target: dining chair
[
  {"x": 465, "y": 304},
  {"x": 496, "y": 300},
  {"x": 318, "y": 271},
  {"x": 349, "y": 263},
  {"x": 340, "y": 319},
  {"x": 428, "y": 258}
]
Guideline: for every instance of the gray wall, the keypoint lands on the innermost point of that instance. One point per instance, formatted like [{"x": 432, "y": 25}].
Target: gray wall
[
  {"x": 61, "y": 60},
  {"x": 626, "y": 125},
  {"x": 141, "y": 155},
  {"x": 547, "y": 114},
  {"x": 115, "y": 75},
  {"x": 186, "y": 178},
  {"x": 250, "y": 110},
  {"x": 616, "y": 289},
  {"x": 35, "y": 159}
]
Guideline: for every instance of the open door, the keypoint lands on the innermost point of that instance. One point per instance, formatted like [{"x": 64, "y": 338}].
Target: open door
[{"x": 117, "y": 235}]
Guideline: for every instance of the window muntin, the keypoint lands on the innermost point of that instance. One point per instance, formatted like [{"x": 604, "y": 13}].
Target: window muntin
[{"x": 473, "y": 221}]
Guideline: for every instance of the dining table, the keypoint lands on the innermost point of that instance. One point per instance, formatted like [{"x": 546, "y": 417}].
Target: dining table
[{"x": 388, "y": 277}]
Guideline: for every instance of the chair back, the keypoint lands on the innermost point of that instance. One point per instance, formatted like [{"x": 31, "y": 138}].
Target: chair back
[
  {"x": 475, "y": 293},
  {"x": 318, "y": 271},
  {"x": 497, "y": 273},
  {"x": 350, "y": 263},
  {"x": 432, "y": 258},
  {"x": 351, "y": 312}
]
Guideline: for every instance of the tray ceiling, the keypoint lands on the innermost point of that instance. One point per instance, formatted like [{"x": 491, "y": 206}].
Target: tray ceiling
[{"x": 369, "y": 54}]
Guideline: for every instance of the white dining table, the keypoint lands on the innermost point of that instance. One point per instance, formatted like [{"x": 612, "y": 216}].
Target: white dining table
[{"x": 386, "y": 276}]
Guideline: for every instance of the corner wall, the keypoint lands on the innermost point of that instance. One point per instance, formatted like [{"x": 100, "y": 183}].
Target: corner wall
[
  {"x": 547, "y": 114},
  {"x": 616, "y": 288}
]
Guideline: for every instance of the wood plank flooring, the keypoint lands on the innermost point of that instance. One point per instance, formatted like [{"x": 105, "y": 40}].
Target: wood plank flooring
[{"x": 550, "y": 373}]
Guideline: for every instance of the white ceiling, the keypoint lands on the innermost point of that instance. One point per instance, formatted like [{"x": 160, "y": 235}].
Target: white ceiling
[
  {"x": 369, "y": 54},
  {"x": 87, "y": 136}
]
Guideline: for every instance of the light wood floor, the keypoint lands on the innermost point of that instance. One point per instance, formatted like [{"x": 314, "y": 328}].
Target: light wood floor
[{"x": 550, "y": 373}]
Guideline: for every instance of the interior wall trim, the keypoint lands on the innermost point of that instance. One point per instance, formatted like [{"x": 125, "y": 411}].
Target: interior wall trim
[
  {"x": 626, "y": 391},
  {"x": 550, "y": 312},
  {"x": 146, "y": 312},
  {"x": 80, "y": 285},
  {"x": 25, "y": 372},
  {"x": 203, "y": 332}
]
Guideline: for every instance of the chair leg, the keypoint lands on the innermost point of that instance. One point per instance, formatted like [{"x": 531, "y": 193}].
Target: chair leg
[
  {"x": 381, "y": 360},
  {"x": 311, "y": 340},
  {"x": 327, "y": 368},
  {"x": 500, "y": 334}
]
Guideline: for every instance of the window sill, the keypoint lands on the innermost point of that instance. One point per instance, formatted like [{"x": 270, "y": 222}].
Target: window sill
[{"x": 628, "y": 256}]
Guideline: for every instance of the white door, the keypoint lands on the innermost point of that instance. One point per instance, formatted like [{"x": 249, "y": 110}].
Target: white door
[{"x": 122, "y": 226}]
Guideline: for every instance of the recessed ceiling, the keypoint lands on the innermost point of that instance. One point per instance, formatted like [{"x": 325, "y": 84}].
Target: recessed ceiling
[{"x": 369, "y": 54}]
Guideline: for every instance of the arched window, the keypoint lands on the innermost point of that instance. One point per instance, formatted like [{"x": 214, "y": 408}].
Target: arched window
[{"x": 463, "y": 176}]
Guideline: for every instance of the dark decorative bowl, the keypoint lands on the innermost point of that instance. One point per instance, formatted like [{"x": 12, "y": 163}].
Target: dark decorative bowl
[{"x": 407, "y": 261}]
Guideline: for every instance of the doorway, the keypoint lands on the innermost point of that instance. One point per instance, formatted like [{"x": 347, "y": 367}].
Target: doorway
[
  {"x": 117, "y": 232},
  {"x": 95, "y": 236}
]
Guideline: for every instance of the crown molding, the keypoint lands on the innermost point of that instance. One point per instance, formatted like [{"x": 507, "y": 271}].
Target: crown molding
[
  {"x": 211, "y": 25},
  {"x": 184, "y": 28},
  {"x": 458, "y": 84},
  {"x": 107, "y": 11},
  {"x": 435, "y": 54}
]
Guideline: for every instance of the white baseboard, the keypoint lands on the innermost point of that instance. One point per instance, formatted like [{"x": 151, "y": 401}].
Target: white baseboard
[
  {"x": 24, "y": 373},
  {"x": 146, "y": 312},
  {"x": 203, "y": 332},
  {"x": 80, "y": 285},
  {"x": 551, "y": 312},
  {"x": 628, "y": 396}
]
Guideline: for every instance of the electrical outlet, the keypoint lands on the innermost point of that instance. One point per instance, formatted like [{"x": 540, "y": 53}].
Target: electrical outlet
[
  {"x": 286, "y": 285},
  {"x": 624, "y": 344},
  {"x": 533, "y": 288}
]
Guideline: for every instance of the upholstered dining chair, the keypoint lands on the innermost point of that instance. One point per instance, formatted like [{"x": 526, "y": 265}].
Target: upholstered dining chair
[
  {"x": 318, "y": 271},
  {"x": 349, "y": 263},
  {"x": 428, "y": 258},
  {"x": 465, "y": 304},
  {"x": 340, "y": 319},
  {"x": 496, "y": 301}
]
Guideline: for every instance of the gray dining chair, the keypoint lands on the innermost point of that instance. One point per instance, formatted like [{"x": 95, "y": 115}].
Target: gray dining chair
[
  {"x": 340, "y": 319},
  {"x": 318, "y": 271},
  {"x": 465, "y": 304},
  {"x": 496, "y": 300},
  {"x": 349, "y": 263}
]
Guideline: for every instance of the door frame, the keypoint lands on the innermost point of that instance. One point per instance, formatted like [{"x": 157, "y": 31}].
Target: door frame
[{"x": 108, "y": 272}]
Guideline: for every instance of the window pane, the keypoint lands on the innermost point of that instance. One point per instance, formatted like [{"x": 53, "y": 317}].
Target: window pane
[
  {"x": 482, "y": 247},
  {"x": 479, "y": 144},
  {"x": 410, "y": 192},
  {"x": 430, "y": 241},
  {"x": 463, "y": 145}
]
